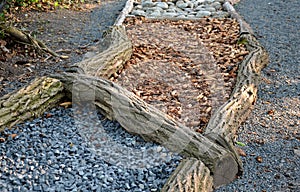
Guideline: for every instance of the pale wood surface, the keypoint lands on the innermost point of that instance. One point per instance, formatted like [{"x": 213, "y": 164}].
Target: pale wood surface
[{"x": 29, "y": 102}]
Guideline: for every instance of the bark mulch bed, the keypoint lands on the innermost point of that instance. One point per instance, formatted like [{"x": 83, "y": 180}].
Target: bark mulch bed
[{"x": 184, "y": 68}]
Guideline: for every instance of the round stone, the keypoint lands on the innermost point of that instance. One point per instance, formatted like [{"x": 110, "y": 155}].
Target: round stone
[
  {"x": 203, "y": 14},
  {"x": 138, "y": 7},
  {"x": 170, "y": 14},
  {"x": 141, "y": 186},
  {"x": 148, "y": 3},
  {"x": 200, "y": 8},
  {"x": 216, "y": 5},
  {"x": 162, "y": 5},
  {"x": 210, "y": 9},
  {"x": 181, "y": 4},
  {"x": 138, "y": 12},
  {"x": 155, "y": 13}
]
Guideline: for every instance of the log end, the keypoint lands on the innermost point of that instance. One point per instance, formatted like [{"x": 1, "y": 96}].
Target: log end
[
  {"x": 226, "y": 171},
  {"x": 191, "y": 175}
]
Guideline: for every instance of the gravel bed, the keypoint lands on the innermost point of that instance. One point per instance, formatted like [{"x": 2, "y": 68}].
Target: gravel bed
[
  {"x": 58, "y": 153},
  {"x": 271, "y": 133}
]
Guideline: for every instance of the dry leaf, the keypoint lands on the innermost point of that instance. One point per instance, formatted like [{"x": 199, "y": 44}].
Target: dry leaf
[
  {"x": 146, "y": 77},
  {"x": 259, "y": 159},
  {"x": 66, "y": 104},
  {"x": 271, "y": 112},
  {"x": 241, "y": 152},
  {"x": 48, "y": 115},
  {"x": 13, "y": 135}
]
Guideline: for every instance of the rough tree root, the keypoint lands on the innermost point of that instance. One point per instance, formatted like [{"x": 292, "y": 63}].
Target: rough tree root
[{"x": 24, "y": 38}]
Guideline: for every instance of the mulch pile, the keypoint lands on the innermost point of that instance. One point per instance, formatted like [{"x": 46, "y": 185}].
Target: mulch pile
[{"x": 184, "y": 68}]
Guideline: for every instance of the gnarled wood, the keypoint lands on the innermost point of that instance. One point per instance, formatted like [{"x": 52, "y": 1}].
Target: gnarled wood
[
  {"x": 138, "y": 118},
  {"x": 224, "y": 122},
  {"x": 191, "y": 175},
  {"x": 27, "y": 39},
  {"x": 29, "y": 102},
  {"x": 231, "y": 114},
  {"x": 117, "y": 50}
]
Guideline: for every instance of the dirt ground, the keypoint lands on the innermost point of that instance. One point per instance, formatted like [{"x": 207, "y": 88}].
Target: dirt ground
[{"x": 67, "y": 32}]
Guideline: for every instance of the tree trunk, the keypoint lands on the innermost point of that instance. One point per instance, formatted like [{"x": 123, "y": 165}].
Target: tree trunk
[
  {"x": 29, "y": 102},
  {"x": 231, "y": 114},
  {"x": 116, "y": 50},
  {"x": 225, "y": 121},
  {"x": 139, "y": 118},
  {"x": 191, "y": 175}
]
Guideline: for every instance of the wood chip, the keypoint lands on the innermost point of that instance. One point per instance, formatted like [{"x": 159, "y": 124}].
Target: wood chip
[{"x": 176, "y": 65}]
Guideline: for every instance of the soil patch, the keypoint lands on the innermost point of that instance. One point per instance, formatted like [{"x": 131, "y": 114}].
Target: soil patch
[
  {"x": 184, "y": 68},
  {"x": 68, "y": 32}
]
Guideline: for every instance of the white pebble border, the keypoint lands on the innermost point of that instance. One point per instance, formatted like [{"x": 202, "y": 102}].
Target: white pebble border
[{"x": 179, "y": 9}]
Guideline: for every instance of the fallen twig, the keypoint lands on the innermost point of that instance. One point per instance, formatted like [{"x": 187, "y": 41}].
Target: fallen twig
[{"x": 24, "y": 38}]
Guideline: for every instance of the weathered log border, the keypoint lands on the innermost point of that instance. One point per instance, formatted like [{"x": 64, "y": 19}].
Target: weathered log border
[
  {"x": 192, "y": 174},
  {"x": 30, "y": 102}
]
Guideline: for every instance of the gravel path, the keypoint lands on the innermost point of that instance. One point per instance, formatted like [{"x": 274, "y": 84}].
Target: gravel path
[
  {"x": 271, "y": 133},
  {"x": 58, "y": 152}
]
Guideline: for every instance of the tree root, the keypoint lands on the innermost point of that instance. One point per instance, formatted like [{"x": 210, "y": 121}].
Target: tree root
[{"x": 24, "y": 38}]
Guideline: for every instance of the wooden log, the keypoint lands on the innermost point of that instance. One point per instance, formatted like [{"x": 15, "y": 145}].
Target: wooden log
[
  {"x": 115, "y": 50},
  {"x": 231, "y": 114},
  {"x": 24, "y": 38},
  {"x": 244, "y": 27},
  {"x": 139, "y": 118},
  {"x": 29, "y": 102},
  {"x": 191, "y": 175},
  {"x": 225, "y": 120},
  {"x": 123, "y": 14}
]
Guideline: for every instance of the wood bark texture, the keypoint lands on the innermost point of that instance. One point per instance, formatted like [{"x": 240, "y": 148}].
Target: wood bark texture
[
  {"x": 29, "y": 102},
  {"x": 225, "y": 121},
  {"x": 116, "y": 50},
  {"x": 191, "y": 175},
  {"x": 139, "y": 118},
  {"x": 123, "y": 14}
]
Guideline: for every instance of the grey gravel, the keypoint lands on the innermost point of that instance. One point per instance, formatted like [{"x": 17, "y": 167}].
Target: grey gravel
[
  {"x": 272, "y": 130},
  {"x": 58, "y": 154}
]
